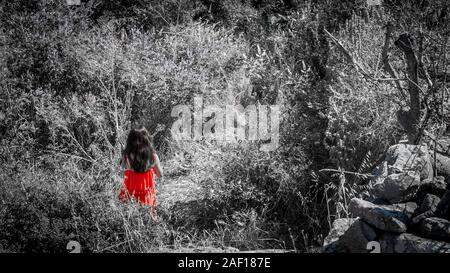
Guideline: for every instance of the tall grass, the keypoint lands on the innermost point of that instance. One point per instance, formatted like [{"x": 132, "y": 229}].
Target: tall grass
[{"x": 74, "y": 84}]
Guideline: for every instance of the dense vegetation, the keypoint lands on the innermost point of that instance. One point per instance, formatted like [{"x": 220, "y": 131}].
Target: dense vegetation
[{"x": 74, "y": 79}]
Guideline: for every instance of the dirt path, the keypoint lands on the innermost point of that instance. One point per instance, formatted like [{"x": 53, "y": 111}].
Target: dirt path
[{"x": 172, "y": 190}]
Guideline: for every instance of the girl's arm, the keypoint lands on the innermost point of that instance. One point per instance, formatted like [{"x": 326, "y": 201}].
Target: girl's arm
[
  {"x": 124, "y": 162},
  {"x": 157, "y": 166}
]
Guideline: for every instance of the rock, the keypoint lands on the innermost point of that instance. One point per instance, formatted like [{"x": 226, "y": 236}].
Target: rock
[
  {"x": 409, "y": 208},
  {"x": 355, "y": 239},
  {"x": 429, "y": 203},
  {"x": 443, "y": 208},
  {"x": 427, "y": 209},
  {"x": 397, "y": 187},
  {"x": 387, "y": 242},
  {"x": 377, "y": 201},
  {"x": 435, "y": 228},
  {"x": 403, "y": 158},
  {"x": 392, "y": 218},
  {"x": 410, "y": 243},
  {"x": 442, "y": 164},
  {"x": 379, "y": 173},
  {"x": 339, "y": 227},
  {"x": 443, "y": 146},
  {"x": 419, "y": 218},
  {"x": 397, "y": 179},
  {"x": 381, "y": 170},
  {"x": 436, "y": 186}
]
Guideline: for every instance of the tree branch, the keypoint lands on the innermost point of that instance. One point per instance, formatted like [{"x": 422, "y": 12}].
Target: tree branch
[
  {"x": 410, "y": 119},
  {"x": 385, "y": 59},
  {"x": 423, "y": 71}
]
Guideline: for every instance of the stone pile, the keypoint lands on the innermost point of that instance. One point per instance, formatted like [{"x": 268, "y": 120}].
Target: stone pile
[{"x": 408, "y": 210}]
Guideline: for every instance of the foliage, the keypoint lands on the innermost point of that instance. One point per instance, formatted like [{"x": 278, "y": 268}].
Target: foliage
[{"x": 75, "y": 79}]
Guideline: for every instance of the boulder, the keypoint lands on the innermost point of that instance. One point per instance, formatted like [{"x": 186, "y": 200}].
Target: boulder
[
  {"x": 442, "y": 164},
  {"x": 387, "y": 242},
  {"x": 419, "y": 218},
  {"x": 429, "y": 203},
  {"x": 381, "y": 170},
  {"x": 443, "y": 208},
  {"x": 356, "y": 238},
  {"x": 403, "y": 158},
  {"x": 427, "y": 209},
  {"x": 435, "y": 228},
  {"x": 410, "y": 243},
  {"x": 397, "y": 187},
  {"x": 393, "y": 218},
  {"x": 339, "y": 227},
  {"x": 436, "y": 186},
  {"x": 443, "y": 146},
  {"x": 409, "y": 208}
]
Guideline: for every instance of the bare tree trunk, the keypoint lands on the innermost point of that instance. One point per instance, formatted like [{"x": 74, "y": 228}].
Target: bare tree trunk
[
  {"x": 385, "y": 58},
  {"x": 410, "y": 119}
]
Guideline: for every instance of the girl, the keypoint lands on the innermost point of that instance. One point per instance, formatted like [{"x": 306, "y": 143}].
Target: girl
[{"x": 141, "y": 164}]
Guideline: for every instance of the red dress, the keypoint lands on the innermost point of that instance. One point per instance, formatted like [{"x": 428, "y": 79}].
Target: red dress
[{"x": 140, "y": 186}]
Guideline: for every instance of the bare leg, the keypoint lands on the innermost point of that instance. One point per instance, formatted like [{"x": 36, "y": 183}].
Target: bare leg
[{"x": 154, "y": 214}]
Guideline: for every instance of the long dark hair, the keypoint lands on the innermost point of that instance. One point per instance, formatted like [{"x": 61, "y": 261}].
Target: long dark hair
[{"x": 139, "y": 149}]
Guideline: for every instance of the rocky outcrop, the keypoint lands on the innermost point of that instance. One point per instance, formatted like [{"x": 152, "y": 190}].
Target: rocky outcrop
[
  {"x": 403, "y": 158},
  {"x": 442, "y": 146},
  {"x": 443, "y": 208},
  {"x": 408, "y": 210},
  {"x": 435, "y": 228},
  {"x": 339, "y": 227},
  {"x": 397, "y": 187},
  {"x": 399, "y": 176},
  {"x": 429, "y": 203},
  {"x": 356, "y": 238},
  {"x": 427, "y": 209},
  {"x": 443, "y": 164},
  {"x": 393, "y": 218},
  {"x": 410, "y": 243},
  {"x": 442, "y": 158},
  {"x": 436, "y": 186}
]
